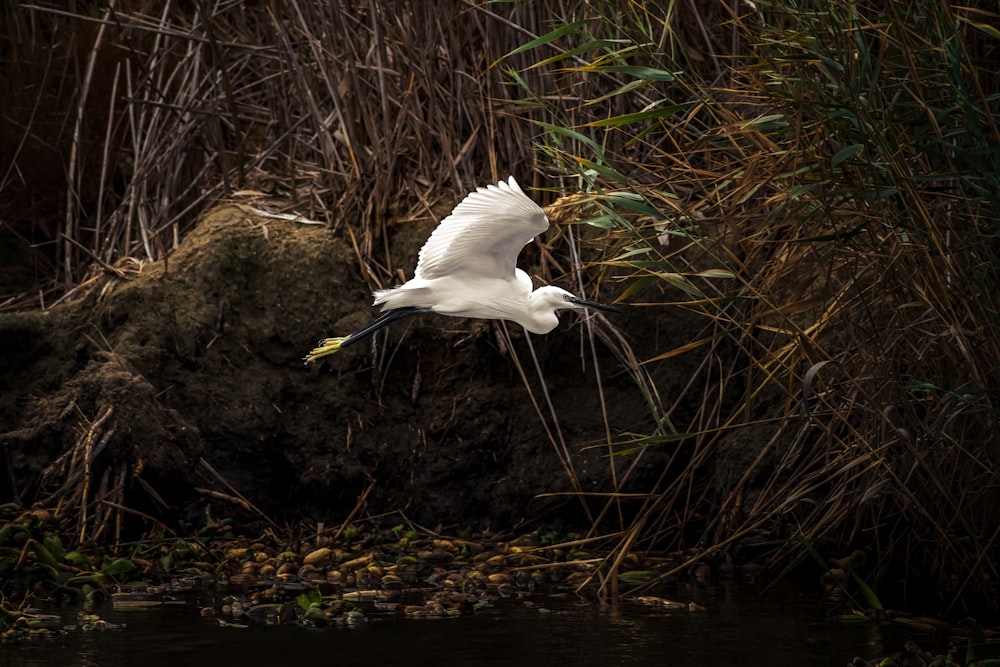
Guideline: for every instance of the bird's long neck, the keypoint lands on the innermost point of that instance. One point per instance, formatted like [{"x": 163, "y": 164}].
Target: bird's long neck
[{"x": 541, "y": 316}]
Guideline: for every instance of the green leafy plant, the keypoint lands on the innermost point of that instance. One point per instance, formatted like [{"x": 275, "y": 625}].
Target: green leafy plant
[{"x": 821, "y": 190}]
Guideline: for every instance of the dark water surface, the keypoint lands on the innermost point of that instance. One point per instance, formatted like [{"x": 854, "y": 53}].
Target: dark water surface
[{"x": 737, "y": 628}]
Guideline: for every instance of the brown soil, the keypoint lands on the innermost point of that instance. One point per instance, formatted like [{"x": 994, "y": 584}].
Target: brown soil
[{"x": 200, "y": 361}]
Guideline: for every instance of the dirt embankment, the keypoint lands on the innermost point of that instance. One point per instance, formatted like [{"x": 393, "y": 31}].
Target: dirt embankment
[{"x": 180, "y": 387}]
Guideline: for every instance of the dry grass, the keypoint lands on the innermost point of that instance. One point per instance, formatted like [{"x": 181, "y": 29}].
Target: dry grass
[
  {"x": 820, "y": 187},
  {"x": 344, "y": 111}
]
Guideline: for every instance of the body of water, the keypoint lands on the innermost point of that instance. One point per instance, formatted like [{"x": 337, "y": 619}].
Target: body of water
[{"x": 736, "y": 628}]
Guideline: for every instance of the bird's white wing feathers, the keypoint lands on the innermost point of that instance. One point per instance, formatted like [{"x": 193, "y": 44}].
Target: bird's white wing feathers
[{"x": 483, "y": 235}]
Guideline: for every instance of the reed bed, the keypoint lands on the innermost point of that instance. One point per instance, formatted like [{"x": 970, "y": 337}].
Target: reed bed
[
  {"x": 817, "y": 181},
  {"x": 343, "y": 112}
]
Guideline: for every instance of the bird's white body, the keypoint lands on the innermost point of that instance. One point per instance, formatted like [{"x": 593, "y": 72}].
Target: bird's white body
[
  {"x": 481, "y": 298},
  {"x": 467, "y": 268}
]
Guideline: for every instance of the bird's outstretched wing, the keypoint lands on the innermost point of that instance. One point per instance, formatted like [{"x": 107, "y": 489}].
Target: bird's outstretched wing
[{"x": 483, "y": 235}]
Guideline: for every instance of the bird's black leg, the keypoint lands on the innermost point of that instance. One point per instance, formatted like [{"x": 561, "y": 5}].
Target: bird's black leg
[
  {"x": 328, "y": 346},
  {"x": 381, "y": 321}
]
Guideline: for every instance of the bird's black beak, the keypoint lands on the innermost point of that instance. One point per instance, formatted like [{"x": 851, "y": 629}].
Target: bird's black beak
[{"x": 582, "y": 303}]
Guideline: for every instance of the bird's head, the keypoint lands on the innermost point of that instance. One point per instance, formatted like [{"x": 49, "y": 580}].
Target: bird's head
[
  {"x": 545, "y": 301},
  {"x": 576, "y": 303}
]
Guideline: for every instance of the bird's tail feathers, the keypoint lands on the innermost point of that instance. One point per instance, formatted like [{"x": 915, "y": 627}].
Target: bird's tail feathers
[
  {"x": 402, "y": 296},
  {"x": 382, "y": 295}
]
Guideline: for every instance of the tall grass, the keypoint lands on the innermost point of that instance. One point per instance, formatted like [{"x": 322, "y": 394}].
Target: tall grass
[
  {"x": 123, "y": 124},
  {"x": 819, "y": 181}
]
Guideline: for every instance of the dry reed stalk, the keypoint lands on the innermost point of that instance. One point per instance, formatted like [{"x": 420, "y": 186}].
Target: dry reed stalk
[
  {"x": 349, "y": 109},
  {"x": 816, "y": 190},
  {"x": 846, "y": 340}
]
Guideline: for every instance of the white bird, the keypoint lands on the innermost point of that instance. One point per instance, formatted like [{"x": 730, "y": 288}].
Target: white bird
[{"x": 467, "y": 268}]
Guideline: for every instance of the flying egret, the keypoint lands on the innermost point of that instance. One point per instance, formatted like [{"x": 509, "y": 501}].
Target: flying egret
[{"x": 467, "y": 268}]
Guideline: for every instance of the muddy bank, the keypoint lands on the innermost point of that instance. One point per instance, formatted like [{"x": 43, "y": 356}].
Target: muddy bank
[{"x": 178, "y": 388}]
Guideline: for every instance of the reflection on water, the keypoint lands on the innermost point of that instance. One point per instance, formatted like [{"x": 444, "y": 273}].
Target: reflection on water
[{"x": 737, "y": 628}]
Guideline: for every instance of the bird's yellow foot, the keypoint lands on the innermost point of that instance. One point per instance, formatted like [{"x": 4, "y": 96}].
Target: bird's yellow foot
[{"x": 327, "y": 346}]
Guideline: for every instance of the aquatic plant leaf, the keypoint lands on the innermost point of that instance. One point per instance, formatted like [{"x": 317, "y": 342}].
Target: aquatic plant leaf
[
  {"x": 53, "y": 545},
  {"x": 765, "y": 123},
  {"x": 845, "y": 153},
  {"x": 547, "y": 38},
  {"x": 620, "y": 90},
  {"x": 45, "y": 557},
  {"x": 635, "y": 577},
  {"x": 633, "y": 202},
  {"x": 308, "y": 599},
  {"x": 85, "y": 580},
  {"x": 640, "y": 116},
  {"x": 631, "y": 253},
  {"x": 603, "y": 170},
  {"x": 867, "y": 591},
  {"x": 607, "y": 221},
  {"x": 9, "y": 530},
  {"x": 636, "y": 286},
  {"x": 118, "y": 568},
  {"x": 76, "y": 558},
  {"x": 681, "y": 282},
  {"x": 714, "y": 273},
  {"x": 638, "y": 71},
  {"x": 990, "y": 30},
  {"x": 591, "y": 45},
  {"x": 571, "y": 134}
]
